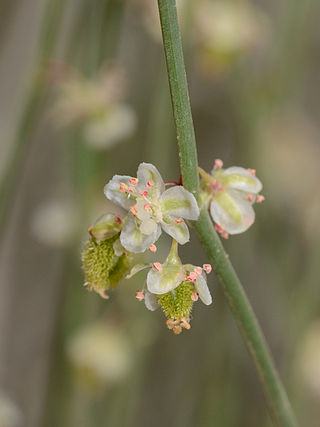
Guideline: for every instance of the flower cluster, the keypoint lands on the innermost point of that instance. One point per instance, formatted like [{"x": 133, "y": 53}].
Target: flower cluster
[
  {"x": 150, "y": 209},
  {"x": 96, "y": 105}
]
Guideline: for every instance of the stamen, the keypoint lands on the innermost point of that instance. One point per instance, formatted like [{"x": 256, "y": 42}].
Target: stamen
[
  {"x": 156, "y": 266},
  {"x": 143, "y": 193},
  {"x": 260, "y": 198},
  {"x": 215, "y": 187},
  {"x": 252, "y": 172},
  {"x": 192, "y": 277},
  {"x": 178, "y": 220},
  {"x": 123, "y": 187},
  {"x": 131, "y": 189},
  {"x": 133, "y": 210},
  {"x": 139, "y": 295},
  {"x": 133, "y": 181},
  {"x": 117, "y": 219},
  {"x": 195, "y": 296},
  {"x": 150, "y": 184},
  {"x": 250, "y": 198},
  {"x": 198, "y": 270},
  {"x": 218, "y": 228},
  {"x": 177, "y": 329},
  {"x": 146, "y": 207},
  {"x": 170, "y": 323},
  {"x": 207, "y": 268},
  {"x": 185, "y": 323},
  {"x": 218, "y": 163},
  {"x": 153, "y": 248}
]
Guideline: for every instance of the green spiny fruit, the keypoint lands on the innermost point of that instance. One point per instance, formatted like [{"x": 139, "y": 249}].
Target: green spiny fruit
[
  {"x": 102, "y": 268},
  {"x": 178, "y": 303}
]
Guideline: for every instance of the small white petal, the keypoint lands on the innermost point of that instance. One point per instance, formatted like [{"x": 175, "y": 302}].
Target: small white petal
[
  {"x": 151, "y": 301},
  {"x": 113, "y": 193},
  {"x": 179, "y": 202},
  {"x": 179, "y": 232},
  {"x": 161, "y": 282},
  {"x": 148, "y": 226},
  {"x": 118, "y": 248},
  {"x": 147, "y": 172},
  {"x": 231, "y": 211},
  {"x": 105, "y": 227},
  {"x": 136, "y": 269},
  {"x": 133, "y": 240},
  {"x": 203, "y": 290},
  {"x": 238, "y": 178}
]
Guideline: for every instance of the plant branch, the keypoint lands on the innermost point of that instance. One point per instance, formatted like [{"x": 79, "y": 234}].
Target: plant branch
[{"x": 274, "y": 391}]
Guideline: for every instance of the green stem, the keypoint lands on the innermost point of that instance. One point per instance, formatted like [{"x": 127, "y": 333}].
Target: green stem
[
  {"x": 34, "y": 102},
  {"x": 232, "y": 288}
]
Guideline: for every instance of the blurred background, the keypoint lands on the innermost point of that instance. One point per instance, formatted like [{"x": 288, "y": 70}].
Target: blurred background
[{"x": 84, "y": 95}]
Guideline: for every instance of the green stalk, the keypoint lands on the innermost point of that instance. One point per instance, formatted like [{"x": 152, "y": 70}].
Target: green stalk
[
  {"x": 274, "y": 391},
  {"x": 33, "y": 104}
]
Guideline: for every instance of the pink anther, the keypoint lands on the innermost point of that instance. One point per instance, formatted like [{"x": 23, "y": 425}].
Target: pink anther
[
  {"x": 250, "y": 198},
  {"x": 150, "y": 184},
  {"x": 139, "y": 295},
  {"x": 194, "y": 296},
  {"x": 133, "y": 210},
  {"x": 252, "y": 172},
  {"x": 218, "y": 163},
  {"x": 123, "y": 187},
  {"x": 207, "y": 268},
  {"x": 178, "y": 220},
  {"x": 153, "y": 248},
  {"x": 117, "y": 219},
  {"x": 260, "y": 198},
  {"x": 133, "y": 181},
  {"x": 198, "y": 270},
  {"x": 156, "y": 266}
]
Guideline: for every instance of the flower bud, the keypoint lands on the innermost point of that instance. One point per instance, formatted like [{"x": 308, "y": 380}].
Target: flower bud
[{"x": 103, "y": 269}]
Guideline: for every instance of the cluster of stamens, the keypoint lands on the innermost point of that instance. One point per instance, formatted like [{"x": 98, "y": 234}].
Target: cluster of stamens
[{"x": 177, "y": 325}]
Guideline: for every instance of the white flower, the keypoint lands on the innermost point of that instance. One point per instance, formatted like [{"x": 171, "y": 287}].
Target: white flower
[
  {"x": 96, "y": 105},
  {"x": 101, "y": 351},
  {"x": 166, "y": 277},
  {"x": 151, "y": 208},
  {"x": 231, "y": 193}
]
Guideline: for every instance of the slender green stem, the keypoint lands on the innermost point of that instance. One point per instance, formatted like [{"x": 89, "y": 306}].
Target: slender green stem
[
  {"x": 275, "y": 394},
  {"x": 34, "y": 101}
]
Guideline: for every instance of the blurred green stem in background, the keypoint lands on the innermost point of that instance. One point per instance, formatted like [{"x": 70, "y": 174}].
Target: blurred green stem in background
[
  {"x": 47, "y": 42},
  {"x": 232, "y": 288}
]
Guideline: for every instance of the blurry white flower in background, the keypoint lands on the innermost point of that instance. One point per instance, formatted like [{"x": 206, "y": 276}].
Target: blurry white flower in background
[
  {"x": 220, "y": 31},
  {"x": 55, "y": 223},
  {"x": 100, "y": 353},
  {"x": 10, "y": 414},
  {"x": 226, "y": 30},
  {"x": 289, "y": 146},
  {"x": 96, "y": 106}
]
